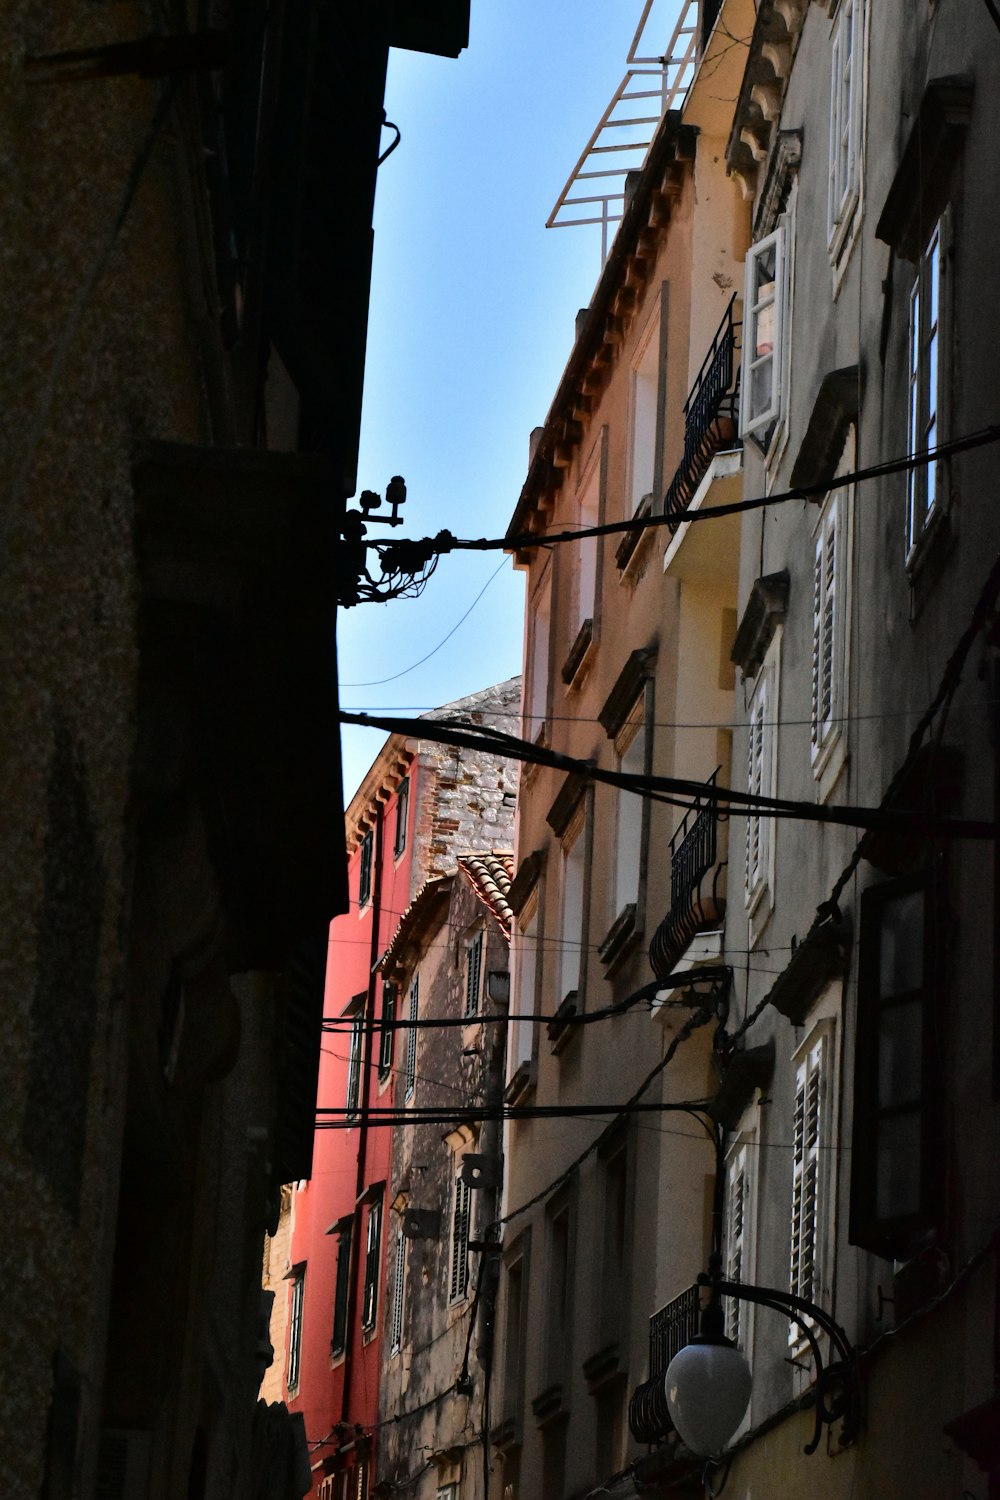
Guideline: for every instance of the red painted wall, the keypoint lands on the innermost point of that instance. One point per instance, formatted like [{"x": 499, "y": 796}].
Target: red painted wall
[{"x": 347, "y": 1162}]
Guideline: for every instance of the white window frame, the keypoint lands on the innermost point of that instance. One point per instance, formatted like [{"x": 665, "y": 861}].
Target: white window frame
[
  {"x": 756, "y": 307},
  {"x": 736, "y": 1243},
  {"x": 812, "y": 1138},
  {"x": 926, "y": 367},
  {"x": 827, "y": 630},
  {"x": 296, "y": 1312},
  {"x": 373, "y": 1255},
  {"x": 398, "y": 1291},
  {"x": 461, "y": 1221},
  {"x": 762, "y": 779},
  {"x": 847, "y": 52}
]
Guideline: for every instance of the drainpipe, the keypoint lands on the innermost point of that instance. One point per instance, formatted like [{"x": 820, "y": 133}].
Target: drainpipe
[
  {"x": 357, "y": 1258},
  {"x": 489, "y": 1263}
]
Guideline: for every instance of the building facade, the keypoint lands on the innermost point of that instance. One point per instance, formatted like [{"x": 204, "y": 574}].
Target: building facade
[
  {"x": 420, "y": 805},
  {"x": 626, "y": 669},
  {"x": 183, "y": 312},
  {"x": 793, "y": 299},
  {"x": 450, "y": 957}
]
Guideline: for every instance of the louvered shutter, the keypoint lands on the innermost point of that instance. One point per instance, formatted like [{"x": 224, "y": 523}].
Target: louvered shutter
[
  {"x": 370, "y": 1304},
  {"x": 460, "y": 1242},
  {"x": 826, "y": 628},
  {"x": 411, "y": 1040},
  {"x": 735, "y": 1224},
  {"x": 805, "y": 1177},
  {"x": 399, "y": 1275},
  {"x": 473, "y": 974},
  {"x": 757, "y": 785}
]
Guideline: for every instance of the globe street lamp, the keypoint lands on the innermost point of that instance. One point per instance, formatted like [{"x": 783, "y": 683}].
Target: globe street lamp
[{"x": 708, "y": 1382}]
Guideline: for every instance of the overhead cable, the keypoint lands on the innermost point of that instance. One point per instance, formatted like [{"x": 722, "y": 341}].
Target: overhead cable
[
  {"x": 674, "y": 790},
  {"x": 444, "y": 542}
]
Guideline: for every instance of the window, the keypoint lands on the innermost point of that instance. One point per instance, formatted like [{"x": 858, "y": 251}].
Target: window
[
  {"x": 360, "y": 1488},
  {"x": 365, "y": 878},
  {"x": 521, "y": 1044},
  {"x": 459, "y": 1280},
  {"x": 398, "y": 1287},
  {"x": 559, "y": 1292},
  {"x": 356, "y": 1013},
  {"x": 614, "y": 1271},
  {"x": 338, "y": 1342},
  {"x": 764, "y": 316},
  {"x": 644, "y": 398},
  {"x": 536, "y": 697},
  {"x": 572, "y": 923},
  {"x": 845, "y": 120},
  {"x": 387, "y": 1032},
  {"x": 895, "y": 1182},
  {"x": 761, "y": 742},
  {"x": 369, "y": 1306},
  {"x": 516, "y": 1264},
  {"x": 402, "y": 815},
  {"x": 631, "y": 747},
  {"x": 295, "y": 1327},
  {"x": 588, "y": 515},
  {"x": 411, "y": 1041},
  {"x": 737, "y": 1193},
  {"x": 808, "y": 1128},
  {"x": 473, "y": 974},
  {"x": 827, "y": 649},
  {"x": 923, "y": 483}
]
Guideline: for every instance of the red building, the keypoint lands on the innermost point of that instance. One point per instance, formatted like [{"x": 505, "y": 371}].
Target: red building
[{"x": 420, "y": 804}]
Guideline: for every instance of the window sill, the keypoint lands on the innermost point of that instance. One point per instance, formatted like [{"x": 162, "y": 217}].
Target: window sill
[
  {"x": 547, "y": 1407},
  {"x": 557, "y": 1031},
  {"x": 633, "y": 543},
  {"x": 521, "y": 1085},
  {"x": 580, "y": 653},
  {"x": 829, "y": 764},
  {"x": 622, "y": 937}
]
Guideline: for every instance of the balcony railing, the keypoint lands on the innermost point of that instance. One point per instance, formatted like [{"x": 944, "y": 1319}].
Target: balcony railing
[
  {"x": 670, "y": 1330},
  {"x": 710, "y": 415},
  {"x": 693, "y": 854}
]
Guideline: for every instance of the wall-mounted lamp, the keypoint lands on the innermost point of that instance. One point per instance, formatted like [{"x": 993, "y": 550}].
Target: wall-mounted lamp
[{"x": 708, "y": 1382}]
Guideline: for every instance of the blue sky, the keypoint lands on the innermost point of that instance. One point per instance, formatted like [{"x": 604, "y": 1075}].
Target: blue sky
[{"x": 471, "y": 323}]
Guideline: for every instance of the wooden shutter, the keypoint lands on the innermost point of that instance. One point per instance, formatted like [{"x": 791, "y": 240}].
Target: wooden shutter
[
  {"x": 338, "y": 1342},
  {"x": 736, "y": 1202},
  {"x": 473, "y": 974},
  {"x": 411, "y": 1040},
  {"x": 387, "y": 1035},
  {"x": 826, "y": 629},
  {"x": 758, "y": 784},
  {"x": 398, "y": 1280},
  {"x": 806, "y": 1132},
  {"x": 370, "y": 1307},
  {"x": 460, "y": 1241}
]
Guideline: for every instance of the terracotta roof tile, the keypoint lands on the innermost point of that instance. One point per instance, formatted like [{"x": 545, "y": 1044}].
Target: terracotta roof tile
[{"x": 490, "y": 875}]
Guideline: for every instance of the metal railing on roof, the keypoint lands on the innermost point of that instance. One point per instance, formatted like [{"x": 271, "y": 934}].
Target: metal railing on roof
[{"x": 672, "y": 72}]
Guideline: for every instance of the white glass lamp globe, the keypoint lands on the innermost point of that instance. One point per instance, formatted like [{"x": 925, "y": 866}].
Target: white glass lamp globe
[{"x": 708, "y": 1391}]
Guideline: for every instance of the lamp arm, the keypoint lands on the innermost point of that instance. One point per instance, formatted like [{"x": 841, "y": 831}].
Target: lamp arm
[
  {"x": 842, "y": 1373},
  {"x": 788, "y": 1303}
]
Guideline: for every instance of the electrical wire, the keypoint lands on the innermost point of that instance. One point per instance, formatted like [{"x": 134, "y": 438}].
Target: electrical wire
[
  {"x": 671, "y": 789},
  {"x": 903, "y": 464},
  {"x": 700, "y": 1018},
  {"x": 379, "y": 681}
]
